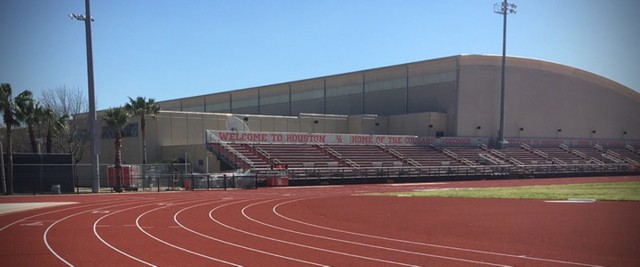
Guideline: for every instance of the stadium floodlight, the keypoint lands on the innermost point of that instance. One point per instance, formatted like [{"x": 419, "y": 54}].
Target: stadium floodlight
[
  {"x": 79, "y": 17},
  {"x": 503, "y": 9},
  {"x": 93, "y": 117}
]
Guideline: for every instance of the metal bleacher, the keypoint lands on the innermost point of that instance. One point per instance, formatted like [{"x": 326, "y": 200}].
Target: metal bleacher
[
  {"x": 321, "y": 162},
  {"x": 426, "y": 155}
]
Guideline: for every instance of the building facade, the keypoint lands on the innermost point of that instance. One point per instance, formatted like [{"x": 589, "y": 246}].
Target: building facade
[{"x": 453, "y": 96}]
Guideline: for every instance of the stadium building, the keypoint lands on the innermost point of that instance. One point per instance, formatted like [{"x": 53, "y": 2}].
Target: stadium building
[{"x": 437, "y": 104}]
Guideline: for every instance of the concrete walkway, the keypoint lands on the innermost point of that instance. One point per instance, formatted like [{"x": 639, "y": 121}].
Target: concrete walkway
[{"x": 16, "y": 207}]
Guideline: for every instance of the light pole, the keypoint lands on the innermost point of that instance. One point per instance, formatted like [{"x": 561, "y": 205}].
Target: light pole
[
  {"x": 93, "y": 118},
  {"x": 504, "y": 9}
]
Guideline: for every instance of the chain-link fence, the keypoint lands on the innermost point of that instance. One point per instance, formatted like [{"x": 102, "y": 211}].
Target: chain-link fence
[{"x": 31, "y": 178}]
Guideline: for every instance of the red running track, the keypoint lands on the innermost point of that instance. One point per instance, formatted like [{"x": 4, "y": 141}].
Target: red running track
[{"x": 321, "y": 226}]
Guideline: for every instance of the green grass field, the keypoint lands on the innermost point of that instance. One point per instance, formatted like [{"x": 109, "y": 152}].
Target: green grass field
[{"x": 621, "y": 191}]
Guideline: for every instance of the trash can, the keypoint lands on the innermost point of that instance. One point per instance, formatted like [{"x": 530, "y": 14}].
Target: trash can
[
  {"x": 187, "y": 184},
  {"x": 55, "y": 189}
]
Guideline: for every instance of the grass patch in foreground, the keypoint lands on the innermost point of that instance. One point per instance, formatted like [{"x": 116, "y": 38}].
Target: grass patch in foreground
[{"x": 622, "y": 191}]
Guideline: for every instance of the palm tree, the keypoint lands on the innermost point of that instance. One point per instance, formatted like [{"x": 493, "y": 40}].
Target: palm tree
[
  {"x": 54, "y": 125},
  {"x": 141, "y": 107},
  {"x": 115, "y": 119},
  {"x": 7, "y": 105},
  {"x": 29, "y": 111}
]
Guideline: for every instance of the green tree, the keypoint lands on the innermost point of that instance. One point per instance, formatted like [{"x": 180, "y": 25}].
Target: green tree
[
  {"x": 8, "y": 107},
  {"x": 29, "y": 111},
  {"x": 54, "y": 125},
  {"x": 115, "y": 119},
  {"x": 142, "y": 107}
]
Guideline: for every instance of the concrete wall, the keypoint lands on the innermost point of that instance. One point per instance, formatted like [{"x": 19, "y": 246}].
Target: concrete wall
[
  {"x": 420, "y": 124},
  {"x": 200, "y": 158}
]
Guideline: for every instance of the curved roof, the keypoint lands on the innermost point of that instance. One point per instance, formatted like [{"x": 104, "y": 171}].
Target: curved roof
[
  {"x": 492, "y": 60},
  {"x": 550, "y": 67}
]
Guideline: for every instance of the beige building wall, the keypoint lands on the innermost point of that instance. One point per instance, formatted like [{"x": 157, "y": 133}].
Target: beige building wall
[
  {"x": 420, "y": 124},
  {"x": 545, "y": 100}
]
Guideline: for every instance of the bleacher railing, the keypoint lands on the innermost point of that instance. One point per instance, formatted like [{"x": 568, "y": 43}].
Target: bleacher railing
[
  {"x": 214, "y": 139},
  {"x": 408, "y": 172}
]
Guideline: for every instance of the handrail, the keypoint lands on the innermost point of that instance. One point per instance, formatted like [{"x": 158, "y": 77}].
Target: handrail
[
  {"x": 526, "y": 147},
  {"x": 559, "y": 161},
  {"x": 613, "y": 153},
  {"x": 392, "y": 172},
  {"x": 500, "y": 154},
  {"x": 267, "y": 155},
  {"x": 340, "y": 157},
  {"x": 232, "y": 150},
  {"x": 490, "y": 159},
  {"x": 632, "y": 161},
  {"x": 579, "y": 153},
  {"x": 449, "y": 153},
  {"x": 352, "y": 163},
  {"x": 612, "y": 158},
  {"x": 395, "y": 153},
  {"x": 413, "y": 162},
  {"x": 516, "y": 161},
  {"x": 564, "y": 147},
  {"x": 597, "y": 161},
  {"x": 598, "y": 147},
  {"x": 333, "y": 152},
  {"x": 467, "y": 162},
  {"x": 540, "y": 153},
  {"x": 503, "y": 156},
  {"x": 458, "y": 158}
]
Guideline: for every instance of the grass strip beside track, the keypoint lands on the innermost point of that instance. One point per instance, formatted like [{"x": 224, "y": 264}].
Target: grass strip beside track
[{"x": 619, "y": 191}]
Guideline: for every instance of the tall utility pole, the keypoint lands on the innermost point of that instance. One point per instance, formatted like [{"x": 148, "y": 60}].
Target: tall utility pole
[
  {"x": 93, "y": 117},
  {"x": 504, "y": 9}
]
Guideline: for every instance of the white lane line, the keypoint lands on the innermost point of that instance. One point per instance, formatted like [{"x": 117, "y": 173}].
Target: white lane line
[
  {"x": 302, "y": 245},
  {"x": 95, "y": 232},
  {"x": 175, "y": 246},
  {"x": 46, "y": 232},
  {"x": 175, "y": 218},
  {"x": 363, "y": 244},
  {"x": 424, "y": 244}
]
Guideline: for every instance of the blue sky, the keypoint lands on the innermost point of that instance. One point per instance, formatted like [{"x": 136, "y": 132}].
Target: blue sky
[{"x": 167, "y": 49}]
